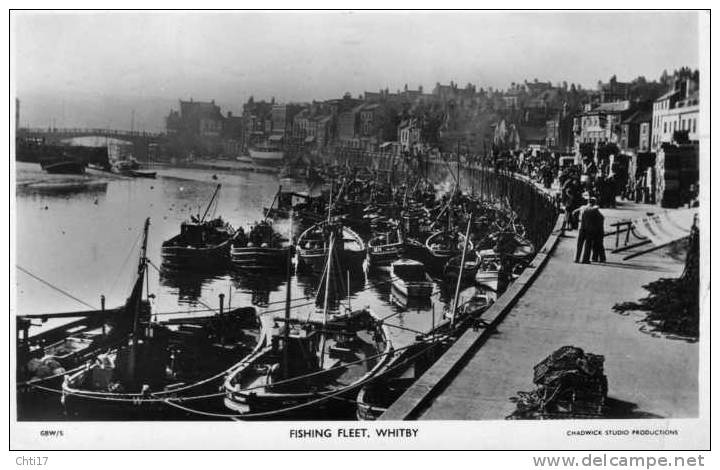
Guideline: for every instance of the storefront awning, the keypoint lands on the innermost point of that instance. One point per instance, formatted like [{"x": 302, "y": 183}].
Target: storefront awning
[
  {"x": 309, "y": 139},
  {"x": 275, "y": 138},
  {"x": 385, "y": 145}
]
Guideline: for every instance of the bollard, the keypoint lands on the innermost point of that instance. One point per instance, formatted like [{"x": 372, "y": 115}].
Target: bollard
[{"x": 102, "y": 308}]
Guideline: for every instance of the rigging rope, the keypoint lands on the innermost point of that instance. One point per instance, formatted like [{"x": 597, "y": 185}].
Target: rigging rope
[
  {"x": 127, "y": 258},
  {"x": 119, "y": 397},
  {"x": 54, "y": 287}
]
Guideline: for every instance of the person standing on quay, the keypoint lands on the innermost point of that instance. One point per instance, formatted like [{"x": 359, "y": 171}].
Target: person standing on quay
[
  {"x": 597, "y": 221},
  {"x": 587, "y": 230}
]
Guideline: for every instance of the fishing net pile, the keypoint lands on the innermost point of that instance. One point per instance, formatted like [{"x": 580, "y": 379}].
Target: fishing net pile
[
  {"x": 672, "y": 307},
  {"x": 571, "y": 384}
]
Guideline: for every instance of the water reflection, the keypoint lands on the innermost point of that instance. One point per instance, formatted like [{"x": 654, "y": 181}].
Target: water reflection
[
  {"x": 258, "y": 284},
  {"x": 187, "y": 285}
]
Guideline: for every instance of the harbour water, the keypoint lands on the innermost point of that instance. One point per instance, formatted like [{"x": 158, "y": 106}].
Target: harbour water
[{"x": 83, "y": 238}]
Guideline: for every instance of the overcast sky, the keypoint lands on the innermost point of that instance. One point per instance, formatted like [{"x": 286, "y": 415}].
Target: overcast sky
[{"x": 300, "y": 56}]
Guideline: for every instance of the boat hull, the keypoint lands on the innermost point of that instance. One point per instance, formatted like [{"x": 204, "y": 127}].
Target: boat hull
[
  {"x": 413, "y": 290},
  {"x": 259, "y": 257},
  {"x": 64, "y": 167},
  {"x": 383, "y": 256},
  {"x": 269, "y": 158},
  {"x": 212, "y": 257}
]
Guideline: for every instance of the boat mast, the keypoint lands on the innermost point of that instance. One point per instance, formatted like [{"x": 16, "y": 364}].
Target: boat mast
[
  {"x": 462, "y": 265},
  {"x": 327, "y": 291},
  {"x": 136, "y": 300},
  {"x": 211, "y": 202},
  {"x": 286, "y": 334},
  {"x": 277, "y": 196}
]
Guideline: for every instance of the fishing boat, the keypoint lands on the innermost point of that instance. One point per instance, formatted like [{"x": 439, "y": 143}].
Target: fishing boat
[
  {"x": 409, "y": 279},
  {"x": 489, "y": 272},
  {"x": 472, "y": 264},
  {"x": 200, "y": 243},
  {"x": 45, "y": 359},
  {"x": 164, "y": 361},
  {"x": 409, "y": 364},
  {"x": 385, "y": 246},
  {"x": 261, "y": 248},
  {"x": 313, "y": 246},
  {"x": 267, "y": 154},
  {"x": 514, "y": 245},
  {"x": 159, "y": 361},
  {"x": 443, "y": 245},
  {"x": 131, "y": 168},
  {"x": 310, "y": 365}
]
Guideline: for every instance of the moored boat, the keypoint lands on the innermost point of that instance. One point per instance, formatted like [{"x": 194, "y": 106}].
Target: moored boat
[
  {"x": 160, "y": 363},
  {"x": 309, "y": 366},
  {"x": 452, "y": 268},
  {"x": 441, "y": 246},
  {"x": 313, "y": 246},
  {"x": 261, "y": 248},
  {"x": 267, "y": 154},
  {"x": 48, "y": 357},
  {"x": 385, "y": 246},
  {"x": 489, "y": 272},
  {"x": 201, "y": 243},
  {"x": 409, "y": 278}
]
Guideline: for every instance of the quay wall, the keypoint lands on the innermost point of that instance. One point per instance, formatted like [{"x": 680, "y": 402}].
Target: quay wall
[{"x": 540, "y": 213}]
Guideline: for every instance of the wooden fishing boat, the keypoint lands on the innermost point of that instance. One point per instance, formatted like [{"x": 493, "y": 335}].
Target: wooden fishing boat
[
  {"x": 452, "y": 268},
  {"x": 441, "y": 246},
  {"x": 261, "y": 248},
  {"x": 164, "y": 361},
  {"x": 313, "y": 246},
  {"x": 489, "y": 272},
  {"x": 514, "y": 245},
  {"x": 309, "y": 366},
  {"x": 409, "y": 278},
  {"x": 385, "y": 246},
  {"x": 201, "y": 243},
  {"x": 44, "y": 359}
]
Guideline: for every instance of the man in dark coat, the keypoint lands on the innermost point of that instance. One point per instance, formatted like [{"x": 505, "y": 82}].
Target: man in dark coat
[
  {"x": 597, "y": 222},
  {"x": 587, "y": 231}
]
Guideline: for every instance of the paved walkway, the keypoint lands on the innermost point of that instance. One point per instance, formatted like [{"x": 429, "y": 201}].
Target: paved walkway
[{"x": 571, "y": 304}]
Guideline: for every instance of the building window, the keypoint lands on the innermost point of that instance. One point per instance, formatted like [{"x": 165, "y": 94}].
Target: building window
[
  {"x": 693, "y": 124},
  {"x": 664, "y": 127}
]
